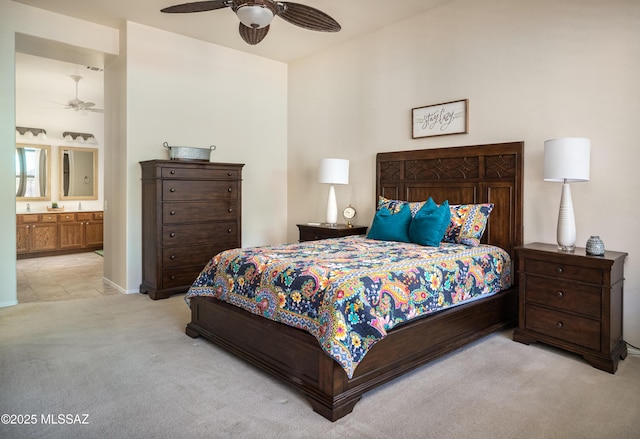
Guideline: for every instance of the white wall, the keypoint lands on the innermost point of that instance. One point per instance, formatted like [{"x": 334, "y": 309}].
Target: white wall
[
  {"x": 190, "y": 93},
  {"x": 531, "y": 71}
]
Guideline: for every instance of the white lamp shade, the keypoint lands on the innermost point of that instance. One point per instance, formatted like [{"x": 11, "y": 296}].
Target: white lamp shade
[
  {"x": 334, "y": 171},
  {"x": 567, "y": 159},
  {"x": 255, "y": 16}
]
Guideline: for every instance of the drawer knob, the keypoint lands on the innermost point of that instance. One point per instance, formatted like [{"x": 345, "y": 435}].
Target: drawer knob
[
  {"x": 173, "y": 277},
  {"x": 559, "y": 270},
  {"x": 559, "y": 325},
  {"x": 230, "y": 209},
  {"x": 560, "y": 294},
  {"x": 172, "y": 189},
  {"x": 229, "y": 230},
  {"x": 172, "y": 257},
  {"x": 229, "y": 174},
  {"x": 229, "y": 190},
  {"x": 173, "y": 212},
  {"x": 173, "y": 172},
  {"x": 172, "y": 235}
]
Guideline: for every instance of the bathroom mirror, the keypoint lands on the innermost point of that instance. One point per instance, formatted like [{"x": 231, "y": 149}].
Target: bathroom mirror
[
  {"x": 33, "y": 172},
  {"x": 78, "y": 173}
]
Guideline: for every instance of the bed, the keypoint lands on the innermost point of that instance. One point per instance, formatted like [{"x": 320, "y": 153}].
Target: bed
[{"x": 462, "y": 175}]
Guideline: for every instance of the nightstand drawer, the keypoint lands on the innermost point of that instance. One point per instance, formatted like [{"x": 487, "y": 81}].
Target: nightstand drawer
[
  {"x": 563, "y": 271},
  {"x": 564, "y": 295},
  {"x": 578, "y": 330},
  {"x": 313, "y": 232},
  {"x": 314, "y": 235}
]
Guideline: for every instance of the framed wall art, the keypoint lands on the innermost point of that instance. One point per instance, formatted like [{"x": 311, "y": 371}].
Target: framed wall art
[{"x": 440, "y": 119}]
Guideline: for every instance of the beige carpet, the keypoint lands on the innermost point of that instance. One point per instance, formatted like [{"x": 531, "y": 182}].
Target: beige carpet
[{"x": 125, "y": 362}]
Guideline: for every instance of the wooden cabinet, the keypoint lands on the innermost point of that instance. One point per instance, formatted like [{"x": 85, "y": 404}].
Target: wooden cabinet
[
  {"x": 190, "y": 212},
  {"x": 58, "y": 233},
  {"x": 313, "y": 232},
  {"x": 36, "y": 233},
  {"x": 572, "y": 301},
  {"x": 81, "y": 230}
]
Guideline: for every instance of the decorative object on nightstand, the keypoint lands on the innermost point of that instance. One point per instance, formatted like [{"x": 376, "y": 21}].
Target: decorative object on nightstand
[
  {"x": 595, "y": 246},
  {"x": 566, "y": 160},
  {"x": 316, "y": 231},
  {"x": 333, "y": 171},
  {"x": 349, "y": 213},
  {"x": 572, "y": 301}
]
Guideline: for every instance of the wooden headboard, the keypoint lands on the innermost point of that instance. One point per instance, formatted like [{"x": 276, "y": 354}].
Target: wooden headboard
[{"x": 463, "y": 175}]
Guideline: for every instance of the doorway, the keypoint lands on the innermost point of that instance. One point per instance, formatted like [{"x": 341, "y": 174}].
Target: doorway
[{"x": 44, "y": 89}]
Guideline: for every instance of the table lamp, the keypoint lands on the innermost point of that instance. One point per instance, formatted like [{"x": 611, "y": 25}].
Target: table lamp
[
  {"x": 333, "y": 171},
  {"x": 566, "y": 160}
]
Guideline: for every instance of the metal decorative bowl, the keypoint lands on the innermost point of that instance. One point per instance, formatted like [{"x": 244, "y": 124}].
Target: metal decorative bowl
[{"x": 189, "y": 153}]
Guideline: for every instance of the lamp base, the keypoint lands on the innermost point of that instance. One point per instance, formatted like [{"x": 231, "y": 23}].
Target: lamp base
[
  {"x": 566, "y": 234},
  {"x": 332, "y": 207}
]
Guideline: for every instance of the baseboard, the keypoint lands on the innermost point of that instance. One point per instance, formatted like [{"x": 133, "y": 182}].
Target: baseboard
[
  {"x": 119, "y": 288},
  {"x": 9, "y": 303},
  {"x": 633, "y": 351}
]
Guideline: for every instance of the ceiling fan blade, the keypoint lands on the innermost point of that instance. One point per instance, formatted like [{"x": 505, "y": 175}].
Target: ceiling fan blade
[
  {"x": 86, "y": 105},
  {"x": 252, "y": 35},
  {"x": 197, "y": 6},
  {"x": 95, "y": 110},
  {"x": 308, "y": 17}
]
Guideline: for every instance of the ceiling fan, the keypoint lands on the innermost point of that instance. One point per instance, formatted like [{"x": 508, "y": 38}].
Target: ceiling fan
[
  {"x": 78, "y": 105},
  {"x": 255, "y": 16}
]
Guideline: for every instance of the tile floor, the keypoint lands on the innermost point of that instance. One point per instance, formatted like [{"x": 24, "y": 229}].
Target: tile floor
[{"x": 61, "y": 278}]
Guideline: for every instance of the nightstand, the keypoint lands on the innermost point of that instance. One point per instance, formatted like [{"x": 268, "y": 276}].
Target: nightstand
[
  {"x": 572, "y": 301},
  {"x": 313, "y": 232}
]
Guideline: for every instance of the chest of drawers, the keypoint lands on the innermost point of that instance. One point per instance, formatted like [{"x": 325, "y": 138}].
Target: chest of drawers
[
  {"x": 190, "y": 212},
  {"x": 572, "y": 301}
]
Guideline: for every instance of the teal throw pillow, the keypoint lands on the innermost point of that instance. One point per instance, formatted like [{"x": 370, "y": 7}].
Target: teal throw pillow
[
  {"x": 430, "y": 223},
  {"x": 391, "y": 226}
]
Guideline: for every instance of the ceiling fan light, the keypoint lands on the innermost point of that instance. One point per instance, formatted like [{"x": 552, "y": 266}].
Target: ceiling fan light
[{"x": 255, "y": 16}]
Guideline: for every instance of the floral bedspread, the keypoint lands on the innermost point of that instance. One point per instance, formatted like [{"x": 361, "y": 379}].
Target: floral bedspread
[{"x": 348, "y": 292}]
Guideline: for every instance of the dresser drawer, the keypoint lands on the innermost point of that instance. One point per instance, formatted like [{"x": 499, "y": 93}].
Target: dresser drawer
[
  {"x": 203, "y": 174},
  {"x": 563, "y": 271},
  {"x": 198, "y": 255},
  {"x": 182, "y": 276},
  {"x": 184, "y": 190},
  {"x": 201, "y": 234},
  {"x": 578, "y": 330},
  {"x": 564, "y": 295},
  {"x": 197, "y": 211}
]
